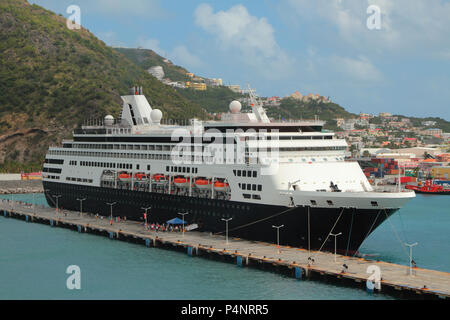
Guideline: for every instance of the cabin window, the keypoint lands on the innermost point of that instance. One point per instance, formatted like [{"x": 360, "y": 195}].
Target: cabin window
[
  {"x": 256, "y": 197},
  {"x": 254, "y": 187},
  {"x": 259, "y": 187},
  {"x": 374, "y": 203},
  {"x": 246, "y": 195},
  {"x": 330, "y": 202},
  {"x": 254, "y": 174},
  {"x": 313, "y": 202},
  {"x": 244, "y": 173},
  {"x": 239, "y": 173}
]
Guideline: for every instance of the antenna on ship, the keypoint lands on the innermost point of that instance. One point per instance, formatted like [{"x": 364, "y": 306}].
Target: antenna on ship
[{"x": 256, "y": 106}]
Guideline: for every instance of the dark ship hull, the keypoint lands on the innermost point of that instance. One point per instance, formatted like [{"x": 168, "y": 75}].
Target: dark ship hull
[{"x": 249, "y": 221}]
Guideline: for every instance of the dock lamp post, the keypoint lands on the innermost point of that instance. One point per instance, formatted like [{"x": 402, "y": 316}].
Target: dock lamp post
[
  {"x": 183, "y": 214},
  {"x": 81, "y": 205},
  {"x": 111, "y": 205},
  {"x": 226, "y": 223},
  {"x": 57, "y": 196},
  {"x": 410, "y": 255},
  {"x": 145, "y": 215},
  {"x": 335, "y": 240},
  {"x": 278, "y": 235}
]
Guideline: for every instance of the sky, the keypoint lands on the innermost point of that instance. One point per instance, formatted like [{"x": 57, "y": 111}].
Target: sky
[{"x": 368, "y": 56}]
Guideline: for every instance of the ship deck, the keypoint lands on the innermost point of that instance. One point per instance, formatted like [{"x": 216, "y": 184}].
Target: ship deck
[{"x": 395, "y": 279}]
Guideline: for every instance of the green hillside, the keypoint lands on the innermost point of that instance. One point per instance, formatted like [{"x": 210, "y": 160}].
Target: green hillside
[
  {"x": 214, "y": 99},
  {"x": 291, "y": 108},
  {"x": 52, "y": 78},
  {"x": 146, "y": 59}
]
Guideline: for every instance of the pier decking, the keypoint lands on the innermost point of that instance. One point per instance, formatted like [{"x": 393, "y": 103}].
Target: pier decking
[{"x": 395, "y": 279}]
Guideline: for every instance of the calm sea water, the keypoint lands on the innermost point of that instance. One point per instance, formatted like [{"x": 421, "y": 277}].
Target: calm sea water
[{"x": 34, "y": 258}]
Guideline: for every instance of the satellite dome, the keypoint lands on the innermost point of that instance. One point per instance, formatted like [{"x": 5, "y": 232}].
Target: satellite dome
[
  {"x": 235, "y": 106},
  {"x": 109, "y": 120},
  {"x": 156, "y": 116}
]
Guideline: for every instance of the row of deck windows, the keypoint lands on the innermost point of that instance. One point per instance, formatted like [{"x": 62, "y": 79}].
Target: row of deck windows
[
  {"x": 181, "y": 169},
  {"x": 245, "y": 173},
  {"x": 248, "y": 186}
]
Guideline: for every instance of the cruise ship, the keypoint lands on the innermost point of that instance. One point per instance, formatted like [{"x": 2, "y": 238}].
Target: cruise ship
[{"x": 244, "y": 173}]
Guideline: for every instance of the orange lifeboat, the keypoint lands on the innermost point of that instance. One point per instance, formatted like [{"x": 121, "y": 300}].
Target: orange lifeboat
[
  {"x": 203, "y": 183},
  {"x": 159, "y": 179},
  {"x": 220, "y": 186},
  {"x": 181, "y": 182},
  {"x": 125, "y": 177}
]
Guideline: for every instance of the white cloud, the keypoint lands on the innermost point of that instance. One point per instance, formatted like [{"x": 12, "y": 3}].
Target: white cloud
[
  {"x": 181, "y": 55},
  {"x": 245, "y": 37},
  {"x": 110, "y": 38},
  {"x": 152, "y": 44},
  {"x": 359, "y": 69},
  {"x": 405, "y": 25},
  {"x": 124, "y": 9}
]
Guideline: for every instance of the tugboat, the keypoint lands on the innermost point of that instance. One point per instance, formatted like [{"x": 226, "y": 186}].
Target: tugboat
[{"x": 429, "y": 188}]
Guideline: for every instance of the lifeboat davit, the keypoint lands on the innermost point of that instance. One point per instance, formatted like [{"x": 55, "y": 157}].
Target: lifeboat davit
[
  {"x": 159, "y": 179},
  {"x": 221, "y": 186},
  {"x": 203, "y": 183},
  {"x": 140, "y": 177},
  {"x": 125, "y": 177},
  {"x": 181, "y": 182}
]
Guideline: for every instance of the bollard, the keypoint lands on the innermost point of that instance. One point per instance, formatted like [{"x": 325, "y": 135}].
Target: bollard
[
  {"x": 239, "y": 261},
  {"x": 189, "y": 251},
  {"x": 147, "y": 243},
  {"x": 298, "y": 273}
]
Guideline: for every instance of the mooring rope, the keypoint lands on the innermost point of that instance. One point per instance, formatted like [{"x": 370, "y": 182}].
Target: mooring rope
[
  {"x": 253, "y": 222},
  {"x": 370, "y": 230},
  {"x": 350, "y": 233},
  {"x": 396, "y": 234},
  {"x": 331, "y": 230}
]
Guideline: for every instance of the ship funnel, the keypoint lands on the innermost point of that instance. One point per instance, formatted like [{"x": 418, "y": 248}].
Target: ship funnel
[{"x": 136, "y": 91}]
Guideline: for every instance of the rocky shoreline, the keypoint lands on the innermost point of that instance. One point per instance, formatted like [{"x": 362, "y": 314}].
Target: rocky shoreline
[{"x": 21, "y": 186}]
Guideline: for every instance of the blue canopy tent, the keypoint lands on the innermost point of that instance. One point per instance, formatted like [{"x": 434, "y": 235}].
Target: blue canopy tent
[{"x": 176, "y": 221}]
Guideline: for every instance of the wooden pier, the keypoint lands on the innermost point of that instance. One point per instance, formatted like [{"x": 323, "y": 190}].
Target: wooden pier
[{"x": 295, "y": 262}]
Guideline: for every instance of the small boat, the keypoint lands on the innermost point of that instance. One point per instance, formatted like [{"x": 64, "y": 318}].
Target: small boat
[
  {"x": 429, "y": 188},
  {"x": 181, "y": 182},
  {"x": 220, "y": 186},
  {"x": 203, "y": 183},
  {"x": 159, "y": 179},
  {"x": 124, "y": 177}
]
